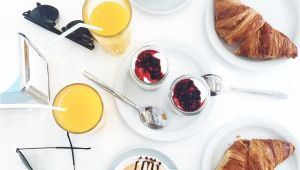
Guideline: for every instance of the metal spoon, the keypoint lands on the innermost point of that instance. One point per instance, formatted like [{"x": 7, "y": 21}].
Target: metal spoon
[
  {"x": 216, "y": 85},
  {"x": 152, "y": 117}
]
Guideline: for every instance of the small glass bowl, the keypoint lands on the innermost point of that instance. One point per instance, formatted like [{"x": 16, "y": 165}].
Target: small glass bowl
[
  {"x": 147, "y": 84},
  {"x": 204, "y": 95}
]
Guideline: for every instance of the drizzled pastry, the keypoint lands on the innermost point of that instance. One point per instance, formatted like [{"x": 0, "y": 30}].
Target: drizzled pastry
[
  {"x": 256, "y": 154},
  {"x": 145, "y": 163},
  {"x": 238, "y": 23}
]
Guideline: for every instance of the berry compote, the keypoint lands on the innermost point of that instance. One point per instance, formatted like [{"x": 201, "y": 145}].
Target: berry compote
[
  {"x": 148, "y": 67},
  {"x": 186, "y": 96}
]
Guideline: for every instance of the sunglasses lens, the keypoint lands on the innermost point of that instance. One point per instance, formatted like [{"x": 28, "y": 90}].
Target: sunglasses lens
[
  {"x": 46, "y": 14},
  {"x": 81, "y": 34},
  {"x": 24, "y": 160}
]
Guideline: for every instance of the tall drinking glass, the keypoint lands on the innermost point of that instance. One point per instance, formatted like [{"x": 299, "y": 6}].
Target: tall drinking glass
[
  {"x": 84, "y": 108},
  {"x": 114, "y": 17}
]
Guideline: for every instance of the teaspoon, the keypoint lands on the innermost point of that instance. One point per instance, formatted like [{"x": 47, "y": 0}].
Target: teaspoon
[
  {"x": 151, "y": 116},
  {"x": 216, "y": 85}
]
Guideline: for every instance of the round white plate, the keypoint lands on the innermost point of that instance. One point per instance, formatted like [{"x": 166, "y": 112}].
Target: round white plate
[
  {"x": 182, "y": 60},
  {"x": 248, "y": 129},
  {"x": 141, "y": 151},
  {"x": 160, "y": 6},
  {"x": 283, "y": 16}
]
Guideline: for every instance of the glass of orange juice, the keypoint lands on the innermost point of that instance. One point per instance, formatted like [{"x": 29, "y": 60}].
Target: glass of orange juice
[
  {"x": 84, "y": 108},
  {"x": 114, "y": 17}
]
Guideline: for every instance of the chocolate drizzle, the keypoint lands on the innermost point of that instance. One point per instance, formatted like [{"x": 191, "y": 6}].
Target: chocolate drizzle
[
  {"x": 136, "y": 163},
  {"x": 159, "y": 163},
  {"x": 148, "y": 163}
]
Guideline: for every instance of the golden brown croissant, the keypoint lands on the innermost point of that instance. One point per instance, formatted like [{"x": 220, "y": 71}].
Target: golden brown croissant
[
  {"x": 267, "y": 43},
  {"x": 235, "y": 22},
  {"x": 238, "y": 23},
  {"x": 255, "y": 154}
]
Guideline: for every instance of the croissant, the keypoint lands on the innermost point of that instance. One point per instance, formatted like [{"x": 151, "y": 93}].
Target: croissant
[
  {"x": 267, "y": 43},
  {"x": 235, "y": 22},
  {"x": 255, "y": 154},
  {"x": 238, "y": 23}
]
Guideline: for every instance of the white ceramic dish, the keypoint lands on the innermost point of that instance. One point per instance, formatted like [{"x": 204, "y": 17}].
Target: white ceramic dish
[
  {"x": 160, "y": 6},
  {"x": 248, "y": 129},
  {"x": 137, "y": 151},
  {"x": 182, "y": 60},
  {"x": 283, "y": 16}
]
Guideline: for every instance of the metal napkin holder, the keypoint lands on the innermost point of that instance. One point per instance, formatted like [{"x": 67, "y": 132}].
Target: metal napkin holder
[{"x": 33, "y": 80}]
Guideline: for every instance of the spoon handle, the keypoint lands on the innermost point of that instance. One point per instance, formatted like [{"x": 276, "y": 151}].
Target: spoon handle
[
  {"x": 109, "y": 89},
  {"x": 260, "y": 92}
]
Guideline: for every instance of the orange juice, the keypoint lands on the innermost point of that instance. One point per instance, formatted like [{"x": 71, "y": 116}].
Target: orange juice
[
  {"x": 83, "y": 106},
  {"x": 110, "y": 16},
  {"x": 113, "y": 16}
]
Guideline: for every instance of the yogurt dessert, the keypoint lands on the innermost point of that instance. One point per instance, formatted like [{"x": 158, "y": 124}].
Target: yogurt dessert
[
  {"x": 142, "y": 163},
  {"x": 188, "y": 95},
  {"x": 149, "y": 67}
]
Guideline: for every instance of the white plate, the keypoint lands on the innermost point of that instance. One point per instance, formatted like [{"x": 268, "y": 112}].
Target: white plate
[
  {"x": 182, "y": 60},
  {"x": 248, "y": 129},
  {"x": 160, "y": 6},
  {"x": 141, "y": 151},
  {"x": 283, "y": 16}
]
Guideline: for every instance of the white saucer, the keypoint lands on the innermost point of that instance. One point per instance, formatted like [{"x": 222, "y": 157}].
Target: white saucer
[
  {"x": 182, "y": 60},
  {"x": 141, "y": 151},
  {"x": 248, "y": 129},
  {"x": 160, "y": 6},
  {"x": 283, "y": 16}
]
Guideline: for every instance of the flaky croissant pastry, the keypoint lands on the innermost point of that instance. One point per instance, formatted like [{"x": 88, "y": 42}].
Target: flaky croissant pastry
[
  {"x": 255, "y": 154},
  {"x": 238, "y": 23},
  {"x": 267, "y": 43}
]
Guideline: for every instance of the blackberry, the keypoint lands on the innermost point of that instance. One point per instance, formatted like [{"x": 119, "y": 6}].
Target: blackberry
[
  {"x": 148, "y": 66},
  {"x": 187, "y": 95}
]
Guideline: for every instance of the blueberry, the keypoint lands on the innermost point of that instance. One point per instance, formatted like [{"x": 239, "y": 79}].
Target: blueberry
[
  {"x": 150, "y": 65},
  {"x": 187, "y": 94}
]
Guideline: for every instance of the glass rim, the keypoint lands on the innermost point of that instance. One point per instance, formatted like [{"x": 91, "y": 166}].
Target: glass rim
[
  {"x": 100, "y": 118},
  {"x": 134, "y": 57},
  {"x": 189, "y": 113},
  {"x": 84, "y": 9}
]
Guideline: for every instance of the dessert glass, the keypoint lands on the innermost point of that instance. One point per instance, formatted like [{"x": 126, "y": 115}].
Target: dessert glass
[
  {"x": 157, "y": 53},
  {"x": 204, "y": 95}
]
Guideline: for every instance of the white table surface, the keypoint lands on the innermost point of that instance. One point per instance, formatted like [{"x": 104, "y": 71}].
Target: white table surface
[{"x": 67, "y": 60}]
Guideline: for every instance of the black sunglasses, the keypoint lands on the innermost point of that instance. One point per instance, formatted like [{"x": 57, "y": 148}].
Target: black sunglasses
[
  {"x": 47, "y": 16},
  {"x": 29, "y": 167}
]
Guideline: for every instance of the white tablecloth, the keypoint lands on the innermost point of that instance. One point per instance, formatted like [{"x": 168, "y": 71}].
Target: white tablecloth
[{"x": 67, "y": 60}]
